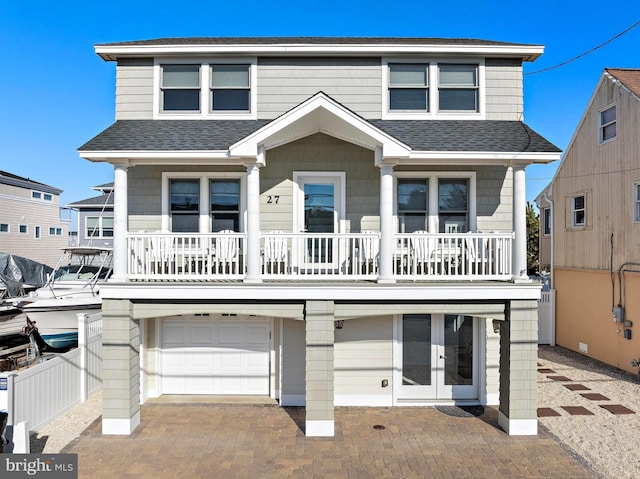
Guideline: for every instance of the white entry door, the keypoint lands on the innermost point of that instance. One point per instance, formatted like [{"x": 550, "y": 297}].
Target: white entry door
[
  {"x": 319, "y": 211},
  {"x": 437, "y": 357},
  {"x": 215, "y": 357}
]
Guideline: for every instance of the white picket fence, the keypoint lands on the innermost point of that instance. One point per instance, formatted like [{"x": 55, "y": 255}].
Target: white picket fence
[
  {"x": 546, "y": 318},
  {"x": 45, "y": 391}
]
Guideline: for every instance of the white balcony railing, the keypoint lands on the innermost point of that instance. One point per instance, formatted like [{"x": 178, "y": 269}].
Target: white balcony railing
[{"x": 319, "y": 256}]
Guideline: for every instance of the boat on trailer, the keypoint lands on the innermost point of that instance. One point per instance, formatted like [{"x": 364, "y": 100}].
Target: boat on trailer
[{"x": 73, "y": 288}]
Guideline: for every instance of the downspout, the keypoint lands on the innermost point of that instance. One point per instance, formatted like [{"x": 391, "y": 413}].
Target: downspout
[{"x": 549, "y": 198}]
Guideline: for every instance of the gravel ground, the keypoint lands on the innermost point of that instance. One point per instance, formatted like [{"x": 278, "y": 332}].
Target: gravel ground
[{"x": 606, "y": 442}]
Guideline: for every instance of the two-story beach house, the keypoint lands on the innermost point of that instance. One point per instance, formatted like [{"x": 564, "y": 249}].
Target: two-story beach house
[
  {"x": 323, "y": 221},
  {"x": 594, "y": 207},
  {"x": 31, "y": 225},
  {"x": 95, "y": 218}
]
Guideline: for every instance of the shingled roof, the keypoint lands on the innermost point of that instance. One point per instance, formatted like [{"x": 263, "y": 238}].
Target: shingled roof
[
  {"x": 219, "y": 135},
  {"x": 309, "y": 41},
  {"x": 629, "y": 77}
]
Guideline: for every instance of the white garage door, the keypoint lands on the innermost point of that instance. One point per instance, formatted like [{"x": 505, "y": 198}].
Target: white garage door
[{"x": 215, "y": 357}]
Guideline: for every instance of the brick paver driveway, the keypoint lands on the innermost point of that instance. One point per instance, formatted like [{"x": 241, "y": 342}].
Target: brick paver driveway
[{"x": 255, "y": 441}]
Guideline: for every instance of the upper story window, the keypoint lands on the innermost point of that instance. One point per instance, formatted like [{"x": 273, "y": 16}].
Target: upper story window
[
  {"x": 546, "y": 219},
  {"x": 180, "y": 88},
  {"x": 458, "y": 88},
  {"x": 4, "y": 227},
  {"x": 99, "y": 227},
  {"x": 578, "y": 211},
  {"x": 443, "y": 203},
  {"x": 225, "y": 204},
  {"x": 607, "y": 124},
  {"x": 36, "y": 232},
  {"x": 453, "y": 205},
  {"x": 409, "y": 86},
  {"x": 38, "y": 195},
  {"x": 24, "y": 229},
  {"x": 53, "y": 231},
  {"x": 230, "y": 88},
  {"x": 185, "y": 205},
  {"x": 413, "y": 204}
]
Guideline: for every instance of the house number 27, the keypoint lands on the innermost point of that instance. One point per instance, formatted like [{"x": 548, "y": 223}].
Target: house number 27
[{"x": 273, "y": 199}]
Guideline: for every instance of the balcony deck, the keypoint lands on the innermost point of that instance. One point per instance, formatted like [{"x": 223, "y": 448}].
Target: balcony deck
[{"x": 319, "y": 257}]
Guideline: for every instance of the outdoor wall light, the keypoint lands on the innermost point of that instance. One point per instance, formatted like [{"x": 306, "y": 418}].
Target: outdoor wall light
[
  {"x": 496, "y": 325},
  {"x": 339, "y": 323}
]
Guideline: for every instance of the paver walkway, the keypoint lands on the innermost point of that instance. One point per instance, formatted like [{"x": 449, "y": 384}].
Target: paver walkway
[{"x": 265, "y": 441}]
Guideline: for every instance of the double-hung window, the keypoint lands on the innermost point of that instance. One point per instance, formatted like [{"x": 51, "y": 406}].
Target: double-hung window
[
  {"x": 225, "y": 204},
  {"x": 180, "y": 88},
  {"x": 184, "y": 205},
  {"x": 578, "y": 211},
  {"x": 408, "y": 87},
  {"x": 458, "y": 88},
  {"x": 413, "y": 204},
  {"x": 607, "y": 122},
  {"x": 230, "y": 88},
  {"x": 99, "y": 227},
  {"x": 453, "y": 205}
]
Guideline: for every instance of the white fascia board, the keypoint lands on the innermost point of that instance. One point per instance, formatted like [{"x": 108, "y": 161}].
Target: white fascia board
[
  {"x": 478, "y": 158},
  {"x": 140, "y": 157},
  {"x": 113, "y": 52},
  {"x": 305, "y": 292},
  {"x": 248, "y": 146}
]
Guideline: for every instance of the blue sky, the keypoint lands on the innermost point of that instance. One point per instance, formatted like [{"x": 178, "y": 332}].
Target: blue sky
[{"x": 57, "y": 94}]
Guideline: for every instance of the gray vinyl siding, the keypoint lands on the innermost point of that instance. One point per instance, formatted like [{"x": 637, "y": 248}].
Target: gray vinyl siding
[
  {"x": 134, "y": 89},
  {"x": 504, "y": 95},
  {"x": 284, "y": 83},
  {"x": 83, "y": 238},
  {"x": 321, "y": 153},
  {"x": 363, "y": 357},
  {"x": 293, "y": 362}
]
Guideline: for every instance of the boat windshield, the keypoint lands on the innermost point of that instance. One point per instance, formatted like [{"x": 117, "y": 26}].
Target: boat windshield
[{"x": 76, "y": 272}]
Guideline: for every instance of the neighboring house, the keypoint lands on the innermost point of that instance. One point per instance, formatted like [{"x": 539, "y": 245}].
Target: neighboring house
[
  {"x": 30, "y": 221},
  {"x": 544, "y": 237},
  {"x": 324, "y": 221},
  {"x": 95, "y": 218},
  {"x": 595, "y": 209}
]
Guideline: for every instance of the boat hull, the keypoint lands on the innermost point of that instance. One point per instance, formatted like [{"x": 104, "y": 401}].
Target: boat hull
[
  {"x": 65, "y": 340},
  {"x": 55, "y": 316}
]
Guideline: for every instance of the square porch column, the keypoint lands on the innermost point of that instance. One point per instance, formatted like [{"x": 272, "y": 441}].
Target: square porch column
[
  {"x": 120, "y": 368},
  {"x": 517, "y": 414},
  {"x": 320, "y": 336}
]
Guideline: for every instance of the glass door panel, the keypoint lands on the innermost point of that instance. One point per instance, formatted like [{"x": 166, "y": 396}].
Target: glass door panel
[
  {"x": 417, "y": 356},
  {"x": 459, "y": 364},
  {"x": 319, "y": 217}
]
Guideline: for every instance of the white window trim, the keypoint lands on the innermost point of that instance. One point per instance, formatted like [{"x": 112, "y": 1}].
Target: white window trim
[
  {"x": 204, "y": 207},
  {"x": 26, "y": 231},
  {"x": 432, "y": 64},
  {"x": 8, "y": 229},
  {"x": 434, "y": 213},
  {"x": 573, "y": 211},
  {"x": 546, "y": 212},
  {"x": 100, "y": 234},
  {"x": 636, "y": 202},
  {"x": 205, "y": 81},
  {"x": 37, "y": 232},
  {"x": 601, "y": 126},
  {"x": 299, "y": 178}
]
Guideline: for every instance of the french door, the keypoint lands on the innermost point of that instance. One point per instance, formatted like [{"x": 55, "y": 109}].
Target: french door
[
  {"x": 319, "y": 211},
  {"x": 438, "y": 357}
]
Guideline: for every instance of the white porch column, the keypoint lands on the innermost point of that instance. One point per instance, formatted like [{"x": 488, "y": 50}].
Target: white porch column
[
  {"x": 519, "y": 258},
  {"x": 252, "y": 247},
  {"x": 386, "y": 220},
  {"x": 120, "y": 212}
]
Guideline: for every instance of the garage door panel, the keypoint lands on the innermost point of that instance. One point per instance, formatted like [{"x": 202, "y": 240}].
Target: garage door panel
[{"x": 209, "y": 357}]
